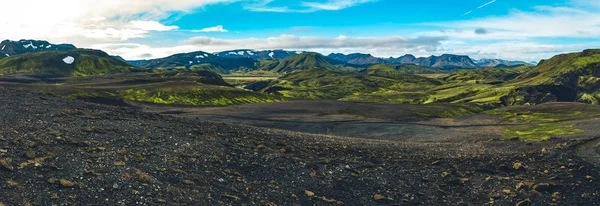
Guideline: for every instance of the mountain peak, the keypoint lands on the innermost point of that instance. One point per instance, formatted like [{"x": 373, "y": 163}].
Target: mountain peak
[{"x": 11, "y": 48}]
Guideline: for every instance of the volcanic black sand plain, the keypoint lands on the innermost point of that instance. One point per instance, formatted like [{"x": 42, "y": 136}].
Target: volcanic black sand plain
[{"x": 65, "y": 151}]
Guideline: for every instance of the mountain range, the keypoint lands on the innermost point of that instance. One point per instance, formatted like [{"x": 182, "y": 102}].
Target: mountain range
[
  {"x": 279, "y": 61},
  {"x": 11, "y": 48},
  {"x": 445, "y": 61}
]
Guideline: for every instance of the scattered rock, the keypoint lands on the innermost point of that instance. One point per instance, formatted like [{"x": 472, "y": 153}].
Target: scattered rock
[
  {"x": 543, "y": 187},
  {"x": 175, "y": 170},
  {"x": 66, "y": 183},
  {"x": 6, "y": 164},
  {"x": 231, "y": 197},
  {"x": 526, "y": 202},
  {"x": 518, "y": 166},
  {"x": 325, "y": 199},
  {"x": 378, "y": 197},
  {"x": 309, "y": 193},
  {"x": 12, "y": 183}
]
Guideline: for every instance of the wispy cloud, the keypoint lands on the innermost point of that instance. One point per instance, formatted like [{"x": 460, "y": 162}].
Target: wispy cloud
[
  {"x": 305, "y": 6},
  {"x": 486, "y": 4},
  {"x": 479, "y": 7},
  {"x": 212, "y": 29},
  {"x": 334, "y": 4}
]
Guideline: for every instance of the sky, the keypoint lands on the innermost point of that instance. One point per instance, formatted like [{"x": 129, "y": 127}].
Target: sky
[{"x": 528, "y": 30}]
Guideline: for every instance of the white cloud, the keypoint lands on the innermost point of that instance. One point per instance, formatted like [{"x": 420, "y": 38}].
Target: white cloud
[
  {"x": 513, "y": 50},
  {"x": 544, "y": 21},
  {"x": 152, "y": 26},
  {"x": 212, "y": 29},
  {"x": 314, "y": 42},
  {"x": 379, "y": 46},
  {"x": 132, "y": 51},
  {"x": 110, "y": 19}
]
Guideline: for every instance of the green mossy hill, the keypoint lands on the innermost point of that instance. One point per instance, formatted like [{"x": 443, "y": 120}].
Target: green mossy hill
[
  {"x": 564, "y": 78},
  {"x": 404, "y": 69},
  {"x": 202, "y": 88},
  {"x": 575, "y": 70},
  {"x": 332, "y": 85},
  {"x": 85, "y": 63},
  {"x": 488, "y": 76},
  {"x": 302, "y": 62}
]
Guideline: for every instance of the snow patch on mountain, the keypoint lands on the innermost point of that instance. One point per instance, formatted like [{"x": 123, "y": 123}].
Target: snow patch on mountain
[
  {"x": 69, "y": 60},
  {"x": 30, "y": 45}
]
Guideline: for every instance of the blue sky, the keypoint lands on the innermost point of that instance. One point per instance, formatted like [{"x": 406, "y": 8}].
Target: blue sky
[{"x": 136, "y": 29}]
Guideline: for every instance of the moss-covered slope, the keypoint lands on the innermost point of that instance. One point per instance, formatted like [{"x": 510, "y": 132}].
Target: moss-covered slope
[{"x": 79, "y": 62}]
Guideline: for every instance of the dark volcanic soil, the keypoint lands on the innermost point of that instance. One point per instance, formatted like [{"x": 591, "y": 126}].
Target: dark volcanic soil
[{"x": 68, "y": 152}]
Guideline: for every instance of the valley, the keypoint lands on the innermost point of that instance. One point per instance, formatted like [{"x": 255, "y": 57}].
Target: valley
[{"x": 280, "y": 127}]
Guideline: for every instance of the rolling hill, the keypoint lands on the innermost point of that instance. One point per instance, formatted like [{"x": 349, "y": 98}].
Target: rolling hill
[
  {"x": 371, "y": 85},
  {"x": 77, "y": 62}
]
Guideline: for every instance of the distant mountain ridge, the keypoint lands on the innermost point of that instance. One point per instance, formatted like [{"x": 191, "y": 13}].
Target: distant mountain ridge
[
  {"x": 10, "y": 48},
  {"x": 254, "y": 54},
  {"x": 493, "y": 63},
  {"x": 357, "y": 58},
  {"x": 445, "y": 61}
]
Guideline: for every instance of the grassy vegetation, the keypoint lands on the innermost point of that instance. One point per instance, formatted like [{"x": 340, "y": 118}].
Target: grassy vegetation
[
  {"x": 87, "y": 63},
  {"x": 538, "y": 123},
  {"x": 195, "y": 95},
  {"x": 408, "y": 69},
  {"x": 487, "y": 76},
  {"x": 171, "y": 88},
  {"x": 325, "y": 84},
  {"x": 300, "y": 62}
]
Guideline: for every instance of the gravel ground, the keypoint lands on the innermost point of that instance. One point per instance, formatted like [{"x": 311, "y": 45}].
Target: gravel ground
[{"x": 56, "y": 151}]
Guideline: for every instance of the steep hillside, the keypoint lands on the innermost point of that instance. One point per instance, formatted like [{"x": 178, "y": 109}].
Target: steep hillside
[
  {"x": 565, "y": 77},
  {"x": 11, "y": 48},
  {"x": 79, "y": 62},
  {"x": 580, "y": 70}
]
